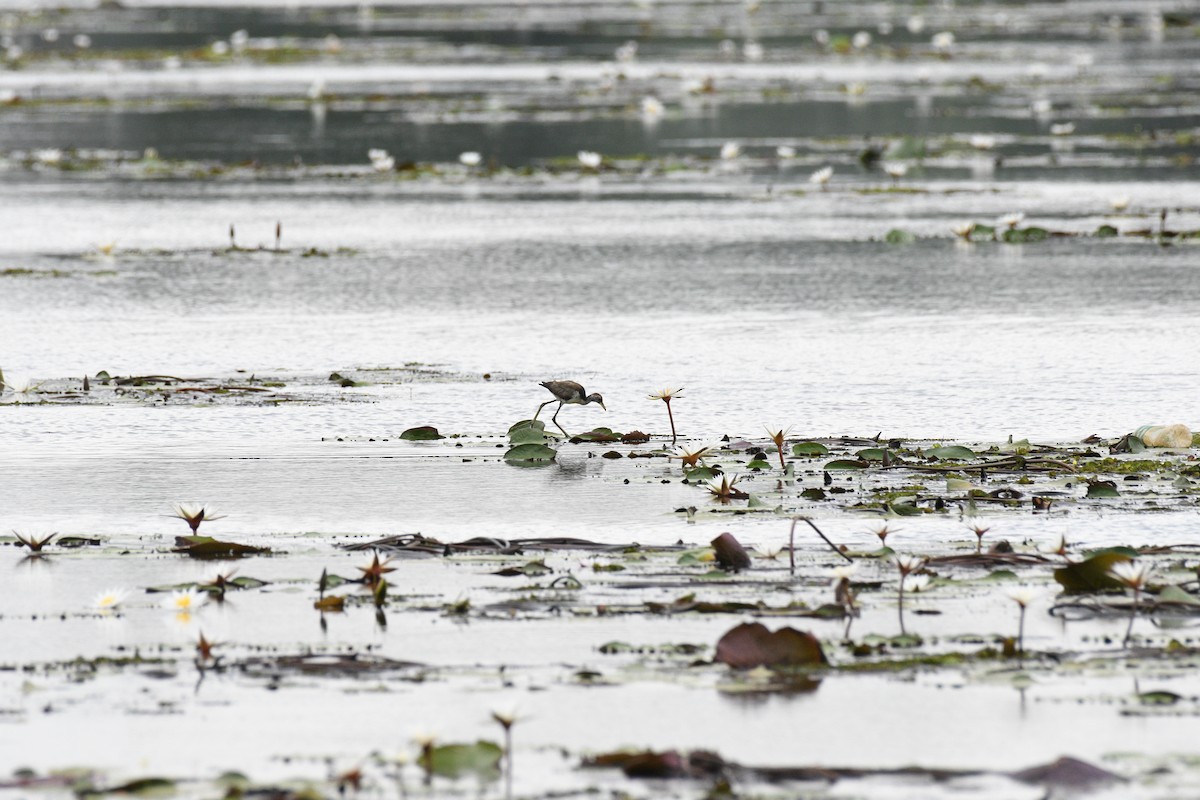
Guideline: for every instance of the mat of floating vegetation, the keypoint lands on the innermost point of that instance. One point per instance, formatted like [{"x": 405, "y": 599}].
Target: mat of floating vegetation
[{"x": 416, "y": 543}]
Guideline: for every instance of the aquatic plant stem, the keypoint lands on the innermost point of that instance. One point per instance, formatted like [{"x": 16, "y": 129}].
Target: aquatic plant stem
[
  {"x": 508, "y": 763},
  {"x": 832, "y": 546},
  {"x": 1132, "y": 616},
  {"x": 1021, "y": 634},
  {"x": 671, "y": 417},
  {"x": 900, "y": 606},
  {"x": 792, "y": 547}
]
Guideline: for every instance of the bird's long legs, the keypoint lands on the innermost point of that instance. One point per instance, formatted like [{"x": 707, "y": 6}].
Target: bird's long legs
[
  {"x": 554, "y": 419},
  {"x": 543, "y": 405}
]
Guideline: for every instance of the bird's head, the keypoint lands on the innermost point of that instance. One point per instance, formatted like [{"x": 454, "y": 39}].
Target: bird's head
[{"x": 595, "y": 397}]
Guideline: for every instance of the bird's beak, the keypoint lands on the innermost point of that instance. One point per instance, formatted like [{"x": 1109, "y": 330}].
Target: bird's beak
[{"x": 603, "y": 406}]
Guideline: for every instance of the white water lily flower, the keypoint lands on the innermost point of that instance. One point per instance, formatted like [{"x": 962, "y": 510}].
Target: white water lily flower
[
  {"x": 857, "y": 89},
  {"x": 982, "y": 141},
  {"x": 1062, "y": 129},
  {"x": 916, "y": 583},
  {"x": 110, "y": 599},
  {"x": 753, "y": 51},
  {"x": 963, "y": 230},
  {"x": 821, "y": 36},
  {"x": 82, "y": 41},
  {"x": 915, "y": 24},
  {"x": 730, "y": 151},
  {"x": 1120, "y": 202},
  {"x": 821, "y": 176},
  {"x": 316, "y": 90},
  {"x": 1012, "y": 220},
  {"x": 48, "y": 155},
  {"x": 626, "y": 52},
  {"x": 220, "y": 48},
  {"x": 185, "y": 600},
  {"x": 908, "y": 564},
  {"x": 1131, "y": 573},
  {"x": 589, "y": 159},
  {"x": 651, "y": 106},
  {"x": 380, "y": 160},
  {"x": 1041, "y": 107},
  {"x": 843, "y": 573},
  {"x": 785, "y": 151},
  {"x": 1022, "y": 595},
  {"x": 17, "y": 385},
  {"x": 861, "y": 40},
  {"x": 943, "y": 40},
  {"x": 895, "y": 169},
  {"x": 470, "y": 158}
]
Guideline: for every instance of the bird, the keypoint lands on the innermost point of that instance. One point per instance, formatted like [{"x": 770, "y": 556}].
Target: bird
[{"x": 567, "y": 393}]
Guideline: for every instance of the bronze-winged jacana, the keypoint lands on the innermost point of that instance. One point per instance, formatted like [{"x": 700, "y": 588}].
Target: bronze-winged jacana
[{"x": 567, "y": 393}]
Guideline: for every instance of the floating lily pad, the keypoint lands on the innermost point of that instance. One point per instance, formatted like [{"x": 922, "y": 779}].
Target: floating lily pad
[
  {"x": 809, "y": 449},
  {"x": 208, "y": 547},
  {"x": 843, "y": 463},
  {"x": 425, "y": 433},
  {"x": 527, "y": 423},
  {"x": 1106, "y": 231},
  {"x": 530, "y": 454},
  {"x": 596, "y": 435},
  {"x": 751, "y": 645},
  {"x": 1091, "y": 574},
  {"x": 701, "y": 474},
  {"x": 898, "y": 236},
  {"x": 952, "y": 453},
  {"x": 526, "y": 435},
  {"x": 457, "y": 760},
  {"x": 1102, "y": 489},
  {"x": 758, "y": 463}
]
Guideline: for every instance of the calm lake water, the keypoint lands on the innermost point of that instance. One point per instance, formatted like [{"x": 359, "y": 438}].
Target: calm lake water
[{"x": 448, "y": 291}]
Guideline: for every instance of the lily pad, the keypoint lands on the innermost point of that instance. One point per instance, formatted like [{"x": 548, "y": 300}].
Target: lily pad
[
  {"x": 844, "y": 463},
  {"x": 530, "y": 454},
  {"x": 1091, "y": 574},
  {"x": 809, "y": 449},
  {"x": 751, "y": 645},
  {"x": 425, "y": 433},
  {"x": 457, "y": 760},
  {"x": 1102, "y": 489},
  {"x": 952, "y": 453},
  {"x": 527, "y": 435},
  {"x": 898, "y": 236},
  {"x": 208, "y": 547}
]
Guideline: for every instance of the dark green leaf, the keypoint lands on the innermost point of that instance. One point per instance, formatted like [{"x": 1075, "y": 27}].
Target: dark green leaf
[{"x": 425, "y": 433}]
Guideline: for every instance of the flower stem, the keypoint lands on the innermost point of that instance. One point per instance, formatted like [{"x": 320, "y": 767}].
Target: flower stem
[
  {"x": 671, "y": 417},
  {"x": 1132, "y": 616},
  {"x": 900, "y": 606},
  {"x": 508, "y": 763},
  {"x": 1021, "y": 634}
]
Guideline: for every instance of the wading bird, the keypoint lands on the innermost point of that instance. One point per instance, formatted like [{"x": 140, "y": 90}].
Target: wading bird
[{"x": 567, "y": 393}]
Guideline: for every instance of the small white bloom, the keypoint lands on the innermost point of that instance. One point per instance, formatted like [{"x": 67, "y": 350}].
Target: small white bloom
[
  {"x": 470, "y": 158},
  {"x": 727, "y": 48},
  {"x": 589, "y": 159},
  {"x": 885, "y": 28},
  {"x": 1131, "y": 573},
  {"x": 943, "y": 41},
  {"x": 908, "y": 564},
  {"x": 110, "y": 599},
  {"x": 185, "y": 600},
  {"x": 753, "y": 51},
  {"x": 821, "y": 176},
  {"x": 1062, "y": 129},
  {"x": 1042, "y": 107},
  {"x": 785, "y": 151},
  {"x": 651, "y": 107},
  {"x": 964, "y": 230},
  {"x": 916, "y": 583},
  {"x": 821, "y": 36},
  {"x": 895, "y": 169},
  {"x": 50, "y": 35},
  {"x": 861, "y": 40},
  {"x": 626, "y": 52},
  {"x": 380, "y": 160},
  {"x": 48, "y": 155},
  {"x": 332, "y": 43},
  {"x": 220, "y": 48},
  {"x": 1120, "y": 202},
  {"x": 915, "y": 24},
  {"x": 1012, "y": 220},
  {"x": 316, "y": 89},
  {"x": 982, "y": 141},
  {"x": 857, "y": 89},
  {"x": 239, "y": 40},
  {"x": 844, "y": 573},
  {"x": 730, "y": 151},
  {"x": 82, "y": 41},
  {"x": 1022, "y": 595}
]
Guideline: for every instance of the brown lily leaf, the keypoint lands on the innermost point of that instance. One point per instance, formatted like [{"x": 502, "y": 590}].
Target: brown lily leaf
[
  {"x": 1067, "y": 772},
  {"x": 751, "y": 645},
  {"x": 208, "y": 547},
  {"x": 730, "y": 553}
]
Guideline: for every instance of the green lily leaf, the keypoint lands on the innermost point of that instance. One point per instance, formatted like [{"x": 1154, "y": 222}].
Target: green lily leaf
[
  {"x": 1091, "y": 574},
  {"x": 457, "y": 760},
  {"x": 844, "y": 464},
  {"x": 425, "y": 433},
  {"x": 530, "y": 453},
  {"x": 952, "y": 453},
  {"x": 809, "y": 449},
  {"x": 897, "y": 236}
]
